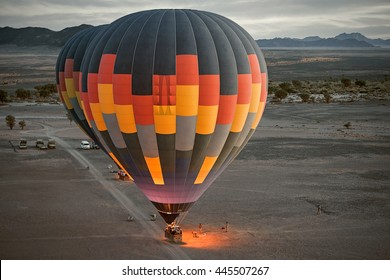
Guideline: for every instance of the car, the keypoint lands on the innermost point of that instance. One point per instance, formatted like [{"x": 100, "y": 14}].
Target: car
[
  {"x": 85, "y": 145},
  {"x": 39, "y": 144},
  {"x": 23, "y": 144},
  {"x": 51, "y": 144}
]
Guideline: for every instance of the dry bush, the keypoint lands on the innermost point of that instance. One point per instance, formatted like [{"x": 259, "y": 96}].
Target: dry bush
[
  {"x": 281, "y": 94},
  {"x": 286, "y": 87},
  {"x": 305, "y": 97},
  {"x": 297, "y": 84},
  {"x": 360, "y": 83},
  {"x": 346, "y": 82}
]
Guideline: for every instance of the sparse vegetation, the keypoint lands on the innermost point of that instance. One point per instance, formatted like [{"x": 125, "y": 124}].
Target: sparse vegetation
[
  {"x": 305, "y": 97},
  {"x": 327, "y": 97},
  {"x": 3, "y": 96},
  {"x": 346, "y": 82},
  {"x": 23, "y": 93},
  {"x": 272, "y": 88},
  {"x": 297, "y": 84},
  {"x": 40, "y": 93},
  {"x": 22, "y": 124},
  {"x": 10, "y": 120},
  {"x": 360, "y": 83},
  {"x": 348, "y": 125},
  {"x": 287, "y": 87},
  {"x": 45, "y": 90},
  {"x": 281, "y": 94},
  {"x": 330, "y": 90}
]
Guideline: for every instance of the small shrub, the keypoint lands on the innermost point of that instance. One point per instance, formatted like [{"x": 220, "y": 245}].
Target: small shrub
[
  {"x": 45, "y": 90},
  {"x": 3, "y": 96},
  {"x": 360, "y": 83},
  {"x": 10, "y": 120},
  {"x": 327, "y": 97},
  {"x": 22, "y": 124},
  {"x": 305, "y": 97},
  {"x": 22, "y": 93},
  {"x": 272, "y": 88},
  {"x": 297, "y": 84},
  {"x": 326, "y": 85},
  {"x": 286, "y": 87},
  {"x": 281, "y": 94},
  {"x": 346, "y": 82},
  {"x": 324, "y": 91}
]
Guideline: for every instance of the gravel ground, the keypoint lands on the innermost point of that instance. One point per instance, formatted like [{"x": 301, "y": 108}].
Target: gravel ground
[{"x": 65, "y": 203}]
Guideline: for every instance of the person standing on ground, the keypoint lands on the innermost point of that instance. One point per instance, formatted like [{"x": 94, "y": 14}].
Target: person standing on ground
[{"x": 319, "y": 209}]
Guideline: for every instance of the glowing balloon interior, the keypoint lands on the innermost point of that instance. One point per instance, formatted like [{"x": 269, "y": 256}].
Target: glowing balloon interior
[{"x": 172, "y": 96}]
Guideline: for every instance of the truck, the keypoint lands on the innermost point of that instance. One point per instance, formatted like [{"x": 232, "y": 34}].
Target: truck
[{"x": 23, "y": 144}]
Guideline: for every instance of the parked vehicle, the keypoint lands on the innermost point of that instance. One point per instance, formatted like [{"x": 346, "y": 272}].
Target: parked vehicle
[
  {"x": 94, "y": 146},
  {"x": 23, "y": 144},
  {"x": 85, "y": 145},
  {"x": 122, "y": 175},
  {"x": 39, "y": 143},
  {"x": 51, "y": 144}
]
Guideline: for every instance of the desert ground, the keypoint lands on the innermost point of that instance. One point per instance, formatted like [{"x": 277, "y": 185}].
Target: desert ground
[
  {"x": 323, "y": 63},
  {"x": 66, "y": 203},
  {"x": 26, "y": 67}
]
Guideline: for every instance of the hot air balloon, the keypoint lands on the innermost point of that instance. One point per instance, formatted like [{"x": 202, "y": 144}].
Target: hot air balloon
[
  {"x": 173, "y": 96},
  {"x": 67, "y": 76}
]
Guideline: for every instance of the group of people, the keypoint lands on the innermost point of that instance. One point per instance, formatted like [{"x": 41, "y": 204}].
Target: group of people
[{"x": 200, "y": 229}]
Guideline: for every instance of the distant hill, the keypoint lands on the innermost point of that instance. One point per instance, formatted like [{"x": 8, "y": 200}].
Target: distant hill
[
  {"x": 362, "y": 38},
  {"x": 344, "y": 40},
  {"x": 37, "y": 36}
]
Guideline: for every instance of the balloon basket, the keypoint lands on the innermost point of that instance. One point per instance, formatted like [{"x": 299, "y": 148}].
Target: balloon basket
[{"x": 174, "y": 233}]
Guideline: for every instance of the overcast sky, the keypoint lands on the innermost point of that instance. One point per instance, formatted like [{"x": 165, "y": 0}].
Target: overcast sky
[{"x": 262, "y": 18}]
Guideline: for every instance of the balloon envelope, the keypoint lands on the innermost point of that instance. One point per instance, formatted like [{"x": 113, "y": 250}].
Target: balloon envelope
[
  {"x": 173, "y": 95},
  {"x": 67, "y": 76}
]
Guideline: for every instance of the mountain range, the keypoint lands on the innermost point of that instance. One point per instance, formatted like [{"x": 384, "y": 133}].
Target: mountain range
[
  {"x": 343, "y": 40},
  {"x": 37, "y": 36}
]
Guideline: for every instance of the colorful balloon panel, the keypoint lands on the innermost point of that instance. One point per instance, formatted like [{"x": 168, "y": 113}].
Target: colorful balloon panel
[
  {"x": 172, "y": 95},
  {"x": 68, "y": 82}
]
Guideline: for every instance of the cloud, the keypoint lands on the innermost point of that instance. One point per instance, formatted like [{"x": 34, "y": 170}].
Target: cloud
[{"x": 262, "y": 18}]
